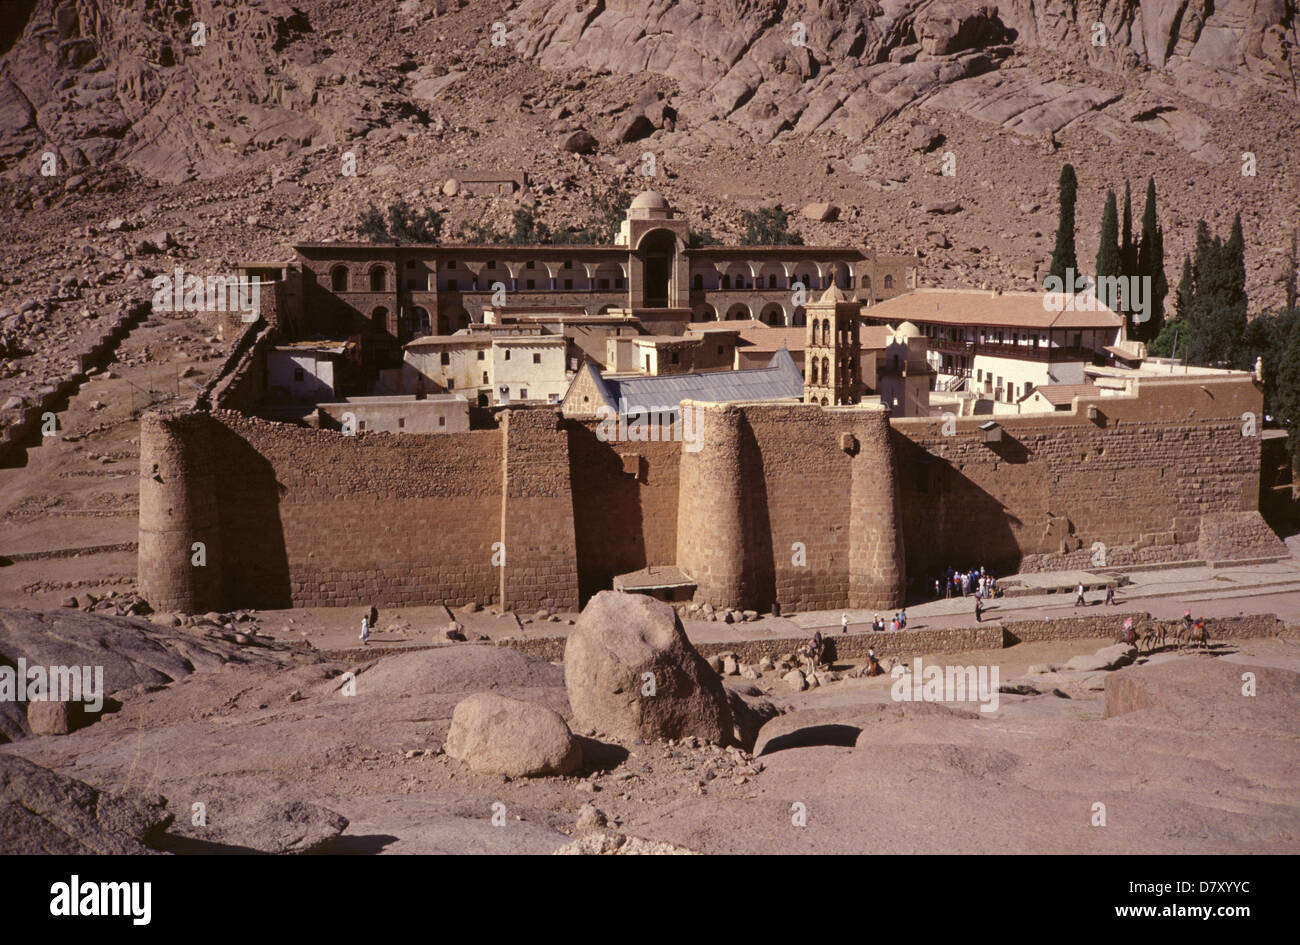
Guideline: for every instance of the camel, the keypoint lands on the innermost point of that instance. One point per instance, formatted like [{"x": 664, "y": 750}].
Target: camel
[
  {"x": 1155, "y": 633},
  {"x": 1129, "y": 635},
  {"x": 1199, "y": 635},
  {"x": 810, "y": 653}
]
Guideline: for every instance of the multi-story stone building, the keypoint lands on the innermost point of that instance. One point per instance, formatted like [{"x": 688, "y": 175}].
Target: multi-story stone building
[
  {"x": 1001, "y": 345},
  {"x": 390, "y": 294}
]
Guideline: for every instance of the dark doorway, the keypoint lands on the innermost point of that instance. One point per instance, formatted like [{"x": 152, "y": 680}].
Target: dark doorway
[{"x": 657, "y": 251}]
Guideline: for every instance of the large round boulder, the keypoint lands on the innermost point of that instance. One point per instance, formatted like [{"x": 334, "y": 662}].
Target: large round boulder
[
  {"x": 496, "y": 735},
  {"x": 631, "y": 673}
]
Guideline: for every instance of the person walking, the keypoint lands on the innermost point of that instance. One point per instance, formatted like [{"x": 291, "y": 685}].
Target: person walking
[
  {"x": 902, "y": 619},
  {"x": 979, "y": 609},
  {"x": 844, "y": 623},
  {"x": 365, "y": 630},
  {"x": 1079, "y": 600},
  {"x": 1110, "y": 594}
]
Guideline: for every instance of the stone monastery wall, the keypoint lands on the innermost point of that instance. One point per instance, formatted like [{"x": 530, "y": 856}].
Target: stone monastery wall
[
  {"x": 807, "y": 506},
  {"x": 1139, "y": 479}
]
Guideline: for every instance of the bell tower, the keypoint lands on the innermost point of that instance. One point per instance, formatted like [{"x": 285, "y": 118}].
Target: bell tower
[{"x": 832, "y": 354}]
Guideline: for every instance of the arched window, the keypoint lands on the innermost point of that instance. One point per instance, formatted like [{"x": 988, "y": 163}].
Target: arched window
[
  {"x": 379, "y": 319},
  {"x": 814, "y": 371},
  {"x": 866, "y": 282},
  {"x": 726, "y": 281},
  {"x": 378, "y": 279},
  {"x": 339, "y": 278},
  {"x": 771, "y": 281},
  {"x": 889, "y": 282},
  {"x": 699, "y": 281},
  {"x": 826, "y": 370}
]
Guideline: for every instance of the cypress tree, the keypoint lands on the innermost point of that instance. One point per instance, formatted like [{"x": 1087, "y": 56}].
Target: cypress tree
[
  {"x": 1234, "y": 293},
  {"x": 1127, "y": 251},
  {"x": 1207, "y": 334},
  {"x": 1063, "y": 256},
  {"x": 1149, "y": 266},
  {"x": 1185, "y": 300},
  {"x": 1159, "y": 287},
  {"x": 1108, "y": 258},
  {"x": 1186, "y": 290},
  {"x": 1127, "y": 256}
]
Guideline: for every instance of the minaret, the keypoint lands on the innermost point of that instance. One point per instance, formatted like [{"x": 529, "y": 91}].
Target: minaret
[{"x": 831, "y": 366}]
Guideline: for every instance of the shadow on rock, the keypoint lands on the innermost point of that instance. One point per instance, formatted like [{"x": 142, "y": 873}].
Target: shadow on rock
[{"x": 599, "y": 756}]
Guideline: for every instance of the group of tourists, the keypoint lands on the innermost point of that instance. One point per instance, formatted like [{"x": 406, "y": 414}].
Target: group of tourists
[
  {"x": 899, "y": 622},
  {"x": 955, "y": 583}
]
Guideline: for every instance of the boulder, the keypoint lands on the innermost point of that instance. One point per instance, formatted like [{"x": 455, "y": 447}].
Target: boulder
[
  {"x": 633, "y": 127},
  {"x": 923, "y": 137},
  {"x": 618, "y": 639},
  {"x": 580, "y": 142},
  {"x": 496, "y": 735},
  {"x": 942, "y": 206},
  {"x": 944, "y": 27},
  {"x": 451, "y": 188},
  {"x": 821, "y": 212},
  {"x": 796, "y": 680},
  {"x": 53, "y": 718}
]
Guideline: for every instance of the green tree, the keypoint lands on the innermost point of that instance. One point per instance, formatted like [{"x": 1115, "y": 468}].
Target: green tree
[
  {"x": 1127, "y": 248},
  {"x": 1186, "y": 290},
  {"x": 526, "y": 230},
  {"x": 1108, "y": 258},
  {"x": 1173, "y": 332},
  {"x": 608, "y": 210},
  {"x": 1218, "y": 309},
  {"x": 696, "y": 239},
  {"x": 402, "y": 223},
  {"x": 1063, "y": 256},
  {"x": 1151, "y": 267},
  {"x": 768, "y": 226},
  {"x": 1286, "y": 394}
]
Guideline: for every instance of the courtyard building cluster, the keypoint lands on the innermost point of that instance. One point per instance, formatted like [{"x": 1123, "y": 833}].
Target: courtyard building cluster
[{"x": 823, "y": 463}]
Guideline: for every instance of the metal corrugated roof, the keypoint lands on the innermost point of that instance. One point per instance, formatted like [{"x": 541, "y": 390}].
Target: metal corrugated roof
[{"x": 780, "y": 380}]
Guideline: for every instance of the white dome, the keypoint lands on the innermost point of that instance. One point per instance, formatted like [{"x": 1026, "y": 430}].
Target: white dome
[{"x": 649, "y": 200}]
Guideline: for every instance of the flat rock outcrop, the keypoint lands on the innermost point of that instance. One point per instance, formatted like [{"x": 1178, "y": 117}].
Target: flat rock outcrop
[
  {"x": 1209, "y": 694},
  {"x": 42, "y": 811},
  {"x": 622, "y": 645},
  {"x": 132, "y": 652},
  {"x": 841, "y": 725},
  {"x": 256, "y": 824},
  {"x": 497, "y": 735},
  {"x": 1107, "y": 658}
]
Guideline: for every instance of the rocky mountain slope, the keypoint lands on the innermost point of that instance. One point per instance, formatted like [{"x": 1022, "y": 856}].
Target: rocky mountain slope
[{"x": 228, "y": 125}]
